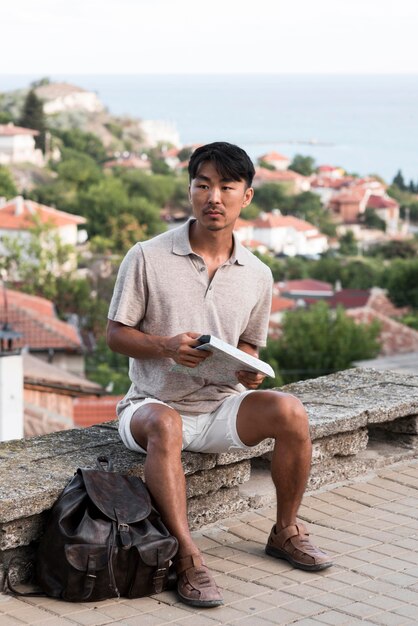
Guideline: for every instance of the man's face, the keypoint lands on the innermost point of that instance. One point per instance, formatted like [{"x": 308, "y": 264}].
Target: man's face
[{"x": 217, "y": 202}]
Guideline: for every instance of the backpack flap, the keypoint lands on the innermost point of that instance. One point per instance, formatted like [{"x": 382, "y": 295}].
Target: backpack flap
[
  {"x": 121, "y": 498},
  {"x": 87, "y": 557},
  {"x": 158, "y": 553}
]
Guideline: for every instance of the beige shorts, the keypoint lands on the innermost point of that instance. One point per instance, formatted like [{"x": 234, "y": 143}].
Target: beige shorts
[{"x": 208, "y": 432}]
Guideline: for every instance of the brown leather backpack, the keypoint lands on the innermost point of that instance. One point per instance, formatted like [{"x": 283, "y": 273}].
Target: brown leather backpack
[{"x": 104, "y": 539}]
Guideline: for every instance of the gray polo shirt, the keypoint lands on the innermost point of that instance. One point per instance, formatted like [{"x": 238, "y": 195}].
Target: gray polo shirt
[{"x": 163, "y": 288}]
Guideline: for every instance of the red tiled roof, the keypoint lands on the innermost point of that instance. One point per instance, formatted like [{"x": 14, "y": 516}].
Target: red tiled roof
[
  {"x": 93, "y": 410},
  {"x": 262, "y": 173},
  {"x": 10, "y": 130},
  {"x": 273, "y": 156},
  {"x": 380, "y": 202},
  {"x": 272, "y": 220},
  {"x": 35, "y": 319},
  {"x": 355, "y": 195},
  {"x": 281, "y": 304},
  {"x": 395, "y": 338},
  {"x": 39, "y": 373},
  {"x": 326, "y": 168},
  {"x": 17, "y": 214},
  {"x": 331, "y": 183},
  {"x": 349, "y": 298},
  {"x": 305, "y": 285}
]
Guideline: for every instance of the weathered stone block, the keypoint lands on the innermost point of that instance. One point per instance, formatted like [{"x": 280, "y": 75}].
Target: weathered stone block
[
  {"x": 343, "y": 444},
  {"x": 21, "y": 532},
  {"x": 237, "y": 455},
  {"x": 224, "y": 476},
  {"x": 407, "y": 425},
  {"x": 210, "y": 508}
]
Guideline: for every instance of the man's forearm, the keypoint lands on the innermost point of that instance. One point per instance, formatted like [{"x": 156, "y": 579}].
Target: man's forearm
[
  {"x": 136, "y": 344},
  {"x": 249, "y": 348}
]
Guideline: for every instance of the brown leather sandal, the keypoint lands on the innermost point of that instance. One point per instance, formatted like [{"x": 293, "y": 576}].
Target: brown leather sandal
[
  {"x": 195, "y": 584},
  {"x": 292, "y": 543}
]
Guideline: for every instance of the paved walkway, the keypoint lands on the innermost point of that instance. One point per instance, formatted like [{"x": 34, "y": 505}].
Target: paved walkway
[{"x": 371, "y": 526}]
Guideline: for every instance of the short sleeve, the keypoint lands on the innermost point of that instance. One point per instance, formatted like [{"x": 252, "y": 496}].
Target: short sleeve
[
  {"x": 129, "y": 298},
  {"x": 258, "y": 324}
]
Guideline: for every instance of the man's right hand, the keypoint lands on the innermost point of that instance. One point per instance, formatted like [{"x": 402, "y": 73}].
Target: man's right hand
[{"x": 182, "y": 349}]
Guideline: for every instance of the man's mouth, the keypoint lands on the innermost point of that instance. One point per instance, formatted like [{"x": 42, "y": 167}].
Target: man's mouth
[{"x": 212, "y": 212}]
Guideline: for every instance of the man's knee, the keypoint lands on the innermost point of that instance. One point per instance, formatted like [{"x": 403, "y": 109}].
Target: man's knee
[
  {"x": 288, "y": 415},
  {"x": 157, "y": 424}
]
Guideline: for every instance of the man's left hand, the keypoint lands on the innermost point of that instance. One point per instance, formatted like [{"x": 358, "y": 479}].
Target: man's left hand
[{"x": 250, "y": 380}]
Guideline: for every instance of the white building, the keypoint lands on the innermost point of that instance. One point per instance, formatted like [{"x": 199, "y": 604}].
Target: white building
[
  {"x": 160, "y": 132},
  {"x": 59, "y": 97},
  {"x": 17, "y": 145},
  {"x": 289, "y": 235},
  {"x": 17, "y": 218}
]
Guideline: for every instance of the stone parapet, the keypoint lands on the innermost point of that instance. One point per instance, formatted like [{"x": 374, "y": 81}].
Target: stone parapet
[{"x": 348, "y": 413}]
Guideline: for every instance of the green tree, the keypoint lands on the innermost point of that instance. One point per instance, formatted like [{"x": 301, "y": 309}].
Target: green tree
[
  {"x": 401, "y": 281},
  {"x": 307, "y": 206},
  {"x": 395, "y": 250},
  {"x": 78, "y": 168},
  {"x": 319, "y": 341},
  {"x": 399, "y": 181},
  {"x": 83, "y": 142},
  {"x": 372, "y": 220},
  {"x": 304, "y": 165},
  {"x": 5, "y": 117},
  {"x": 108, "y": 368},
  {"x": 38, "y": 259},
  {"x": 348, "y": 244},
  {"x": 33, "y": 117},
  {"x": 361, "y": 274},
  {"x": 328, "y": 269},
  {"x": 7, "y": 184},
  {"x": 157, "y": 188},
  {"x": 271, "y": 196}
]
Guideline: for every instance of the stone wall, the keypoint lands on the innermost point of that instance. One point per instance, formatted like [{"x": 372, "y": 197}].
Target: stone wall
[{"x": 359, "y": 420}]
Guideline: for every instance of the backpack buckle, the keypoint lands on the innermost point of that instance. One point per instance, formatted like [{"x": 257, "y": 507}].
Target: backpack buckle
[
  {"x": 158, "y": 579},
  {"x": 125, "y": 537}
]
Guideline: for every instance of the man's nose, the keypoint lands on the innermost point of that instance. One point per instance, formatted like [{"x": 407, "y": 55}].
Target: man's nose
[{"x": 215, "y": 195}]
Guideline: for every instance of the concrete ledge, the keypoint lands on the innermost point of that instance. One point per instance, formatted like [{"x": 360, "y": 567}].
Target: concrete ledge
[{"x": 344, "y": 410}]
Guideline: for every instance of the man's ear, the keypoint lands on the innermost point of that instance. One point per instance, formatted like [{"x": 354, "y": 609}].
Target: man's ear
[{"x": 248, "y": 196}]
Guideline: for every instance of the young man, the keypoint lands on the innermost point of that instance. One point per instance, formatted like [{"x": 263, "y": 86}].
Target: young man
[{"x": 194, "y": 280}]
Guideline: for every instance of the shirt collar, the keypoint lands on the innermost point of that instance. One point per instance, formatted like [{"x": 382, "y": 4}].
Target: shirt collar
[{"x": 182, "y": 247}]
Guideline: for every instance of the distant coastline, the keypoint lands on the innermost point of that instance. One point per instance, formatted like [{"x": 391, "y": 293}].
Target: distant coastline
[{"x": 366, "y": 124}]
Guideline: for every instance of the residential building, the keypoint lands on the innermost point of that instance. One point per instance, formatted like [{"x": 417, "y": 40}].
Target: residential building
[
  {"x": 276, "y": 160},
  {"x": 17, "y": 145},
  {"x": 18, "y": 216},
  {"x": 295, "y": 183},
  {"x": 159, "y": 132},
  {"x": 51, "y": 395},
  {"x": 288, "y": 235},
  {"x": 90, "y": 410},
  {"x": 305, "y": 291},
  {"x": 43, "y": 334},
  {"x": 61, "y": 97}
]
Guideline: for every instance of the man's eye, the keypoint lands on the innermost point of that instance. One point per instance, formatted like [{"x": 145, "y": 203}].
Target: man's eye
[
  {"x": 202, "y": 186},
  {"x": 228, "y": 188}
]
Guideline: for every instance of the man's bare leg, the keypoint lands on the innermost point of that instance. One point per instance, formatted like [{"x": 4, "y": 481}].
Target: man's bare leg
[
  {"x": 271, "y": 414},
  {"x": 158, "y": 429}
]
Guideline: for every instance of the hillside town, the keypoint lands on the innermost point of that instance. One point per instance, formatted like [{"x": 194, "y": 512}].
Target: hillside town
[{"x": 75, "y": 197}]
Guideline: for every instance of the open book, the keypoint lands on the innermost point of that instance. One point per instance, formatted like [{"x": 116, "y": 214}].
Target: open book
[{"x": 225, "y": 360}]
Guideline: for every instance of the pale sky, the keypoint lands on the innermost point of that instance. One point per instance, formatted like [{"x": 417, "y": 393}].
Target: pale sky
[{"x": 214, "y": 36}]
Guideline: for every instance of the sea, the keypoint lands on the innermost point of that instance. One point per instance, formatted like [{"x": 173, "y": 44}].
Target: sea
[{"x": 367, "y": 124}]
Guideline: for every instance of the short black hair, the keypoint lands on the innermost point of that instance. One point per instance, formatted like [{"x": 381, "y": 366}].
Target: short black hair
[{"x": 230, "y": 161}]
